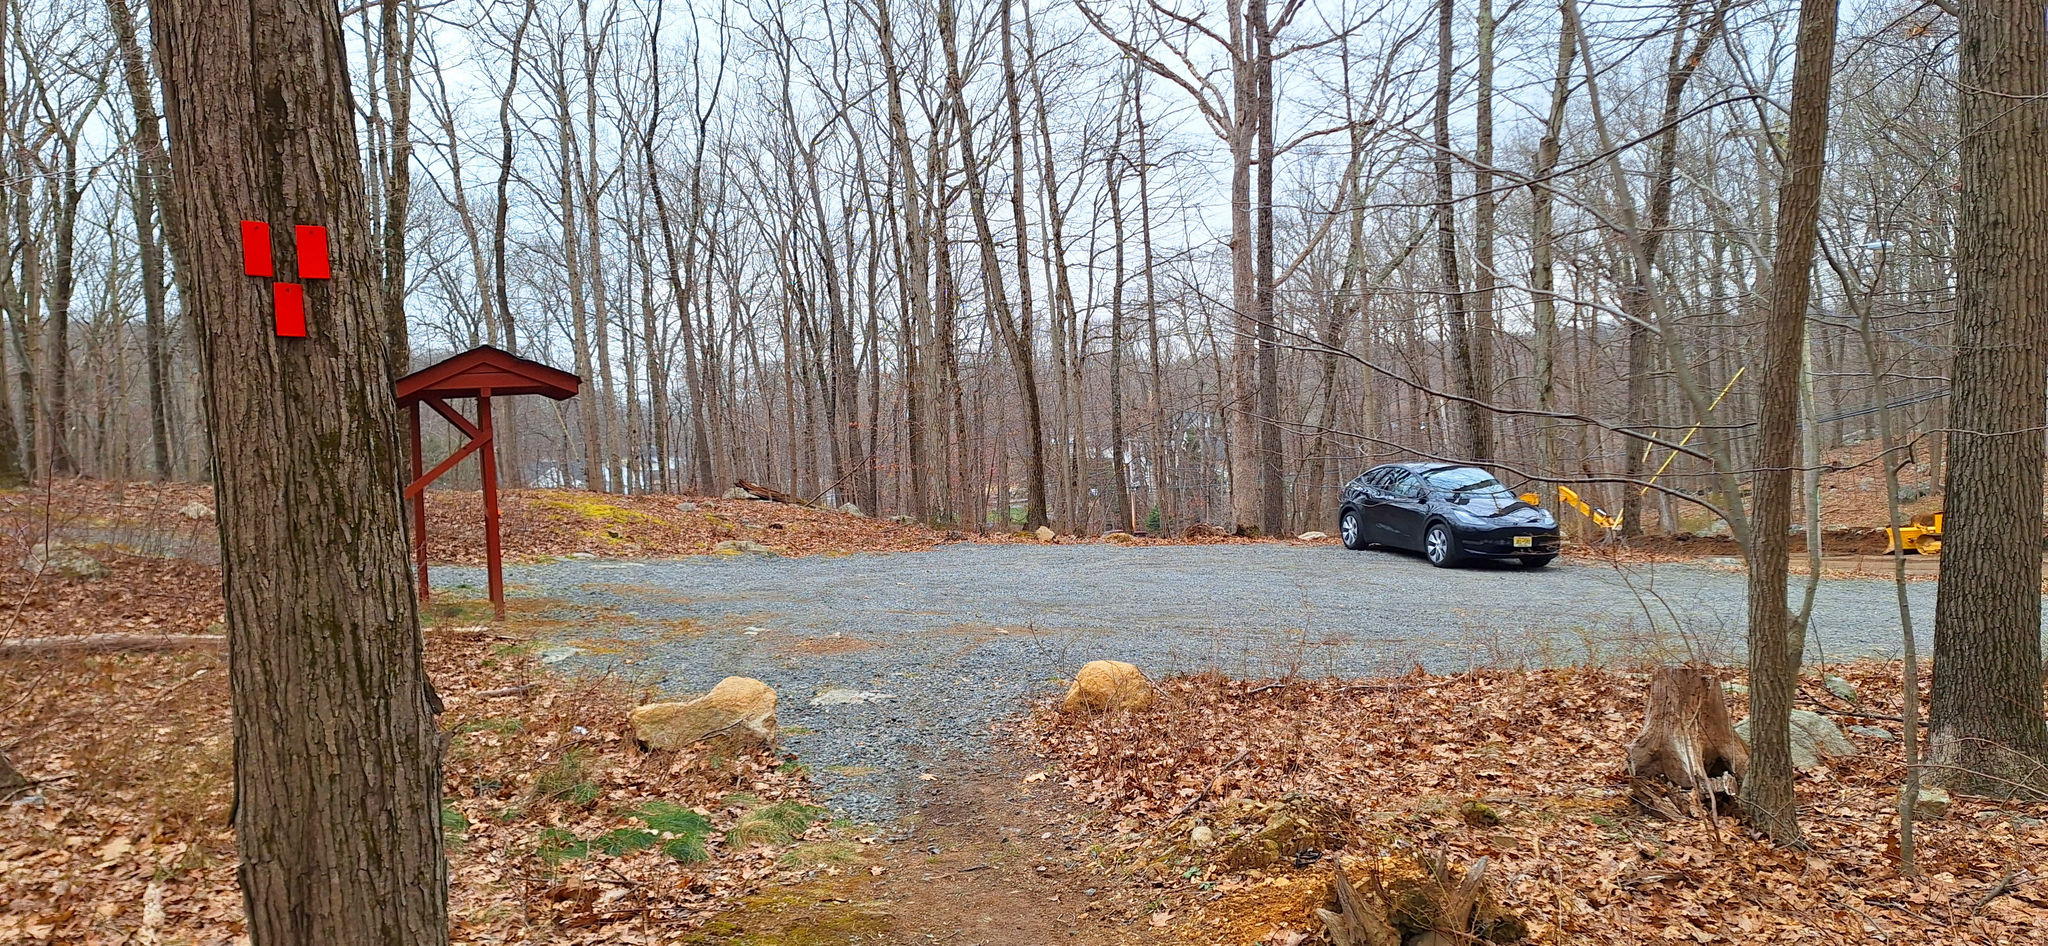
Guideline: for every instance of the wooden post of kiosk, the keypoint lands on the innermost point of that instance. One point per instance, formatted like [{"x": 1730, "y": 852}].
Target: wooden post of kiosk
[{"x": 480, "y": 373}]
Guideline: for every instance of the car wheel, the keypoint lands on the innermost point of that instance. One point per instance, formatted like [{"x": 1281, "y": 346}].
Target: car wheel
[
  {"x": 1352, "y": 529},
  {"x": 1440, "y": 545},
  {"x": 1538, "y": 561}
]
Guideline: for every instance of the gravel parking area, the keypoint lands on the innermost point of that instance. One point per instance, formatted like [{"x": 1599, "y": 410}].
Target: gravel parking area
[{"x": 959, "y": 637}]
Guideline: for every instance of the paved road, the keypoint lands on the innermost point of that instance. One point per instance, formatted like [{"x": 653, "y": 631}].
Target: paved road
[{"x": 962, "y": 634}]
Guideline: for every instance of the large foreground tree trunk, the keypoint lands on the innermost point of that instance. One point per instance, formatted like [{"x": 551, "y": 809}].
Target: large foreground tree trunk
[
  {"x": 337, "y": 786},
  {"x": 1985, "y": 730},
  {"x": 1776, "y": 637}
]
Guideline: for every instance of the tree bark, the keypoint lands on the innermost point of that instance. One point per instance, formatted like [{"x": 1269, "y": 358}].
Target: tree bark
[
  {"x": 1687, "y": 741},
  {"x": 1776, "y": 636},
  {"x": 150, "y": 189},
  {"x": 1985, "y": 731},
  {"x": 337, "y": 775},
  {"x": 1455, "y": 318}
]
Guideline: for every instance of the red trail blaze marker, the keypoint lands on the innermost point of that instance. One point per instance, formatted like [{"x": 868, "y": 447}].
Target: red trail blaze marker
[
  {"x": 289, "y": 299},
  {"x": 291, "y": 309},
  {"x": 312, "y": 251},
  {"x": 256, "y": 248}
]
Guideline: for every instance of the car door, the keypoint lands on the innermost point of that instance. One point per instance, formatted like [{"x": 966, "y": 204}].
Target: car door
[
  {"x": 1402, "y": 510},
  {"x": 1367, "y": 495}
]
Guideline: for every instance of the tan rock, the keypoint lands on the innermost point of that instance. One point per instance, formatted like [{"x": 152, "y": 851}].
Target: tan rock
[
  {"x": 738, "y": 713},
  {"x": 1045, "y": 534},
  {"x": 1313, "y": 536},
  {"x": 1106, "y": 685}
]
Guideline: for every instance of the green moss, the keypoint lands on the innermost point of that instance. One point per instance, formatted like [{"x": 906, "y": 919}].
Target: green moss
[{"x": 597, "y": 509}]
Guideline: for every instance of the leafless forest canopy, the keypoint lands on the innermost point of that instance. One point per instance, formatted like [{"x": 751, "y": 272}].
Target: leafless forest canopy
[{"x": 1107, "y": 264}]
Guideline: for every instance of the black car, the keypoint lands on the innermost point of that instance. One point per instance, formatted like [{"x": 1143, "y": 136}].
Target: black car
[{"x": 1448, "y": 513}]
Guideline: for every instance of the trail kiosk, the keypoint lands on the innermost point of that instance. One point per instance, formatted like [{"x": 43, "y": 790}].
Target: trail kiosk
[{"x": 481, "y": 373}]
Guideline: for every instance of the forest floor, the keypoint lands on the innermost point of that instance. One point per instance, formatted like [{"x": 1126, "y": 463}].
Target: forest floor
[{"x": 1020, "y": 826}]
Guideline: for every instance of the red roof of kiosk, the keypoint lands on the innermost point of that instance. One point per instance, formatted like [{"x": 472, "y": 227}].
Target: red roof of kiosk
[{"x": 468, "y": 374}]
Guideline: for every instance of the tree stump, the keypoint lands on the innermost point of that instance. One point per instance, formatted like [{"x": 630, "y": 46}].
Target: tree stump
[
  {"x": 11, "y": 779},
  {"x": 1688, "y": 750},
  {"x": 1415, "y": 899}
]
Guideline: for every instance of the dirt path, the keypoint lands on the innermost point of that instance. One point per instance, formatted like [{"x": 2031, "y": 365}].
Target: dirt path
[{"x": 985, "y": 858}]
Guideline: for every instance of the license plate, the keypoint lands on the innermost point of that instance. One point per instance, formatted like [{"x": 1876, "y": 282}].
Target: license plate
[{"x": 1525, "y": 541}]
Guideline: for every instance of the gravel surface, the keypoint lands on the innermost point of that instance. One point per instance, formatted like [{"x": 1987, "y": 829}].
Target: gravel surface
[{"x": 960, "y": 637}]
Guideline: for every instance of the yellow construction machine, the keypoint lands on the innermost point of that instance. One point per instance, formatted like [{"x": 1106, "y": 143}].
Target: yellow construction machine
[{"x": 1923, "y": 536}]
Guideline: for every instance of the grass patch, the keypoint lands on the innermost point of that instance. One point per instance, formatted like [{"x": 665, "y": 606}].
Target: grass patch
[
  {"x": 454, "y": 824},
  {"x": 823, "y": 854},
  {"x": 557, "y": 845},
  {"x": 625, "y": 841},
  {"x": 779, "y": 823},
  {"x": 683, "y": 831},
  {"x": 567, "y": 780}
]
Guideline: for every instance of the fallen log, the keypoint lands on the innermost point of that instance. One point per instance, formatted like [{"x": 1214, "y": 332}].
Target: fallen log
[
  {"x": 110, "y": 644},
  {"x": 769, "y": 493}
]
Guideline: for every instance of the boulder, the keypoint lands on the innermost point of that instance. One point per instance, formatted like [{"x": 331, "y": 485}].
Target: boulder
[
  {"x": 196, "y": 510},
  {"x": 1108, "y": 685},
  {"x": 686, "y": 507},
  {"x": 738, "y": 713},
  {"x": 62, "y": 560},
  {"x": 1932, "y": 803},
  {"x": 904, "y": 520},
  {"x": 1814, "y": 739},
  {"x": 741, "y": 547},
  {"x": 852, "y": 510},
  {"x": 737, "y": 493},
  {"x": 1045, "y": 534},
  {"x": 1874, "y": 732},
  {"x": 1313, "y": 536},
  {"x": 1841, "y": 688}
]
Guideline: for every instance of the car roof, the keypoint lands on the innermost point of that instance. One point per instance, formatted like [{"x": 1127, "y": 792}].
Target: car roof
[{"x": 1424, "y": 466}]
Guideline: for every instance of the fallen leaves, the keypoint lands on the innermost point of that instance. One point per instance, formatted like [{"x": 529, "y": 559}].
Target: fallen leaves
[
  {"x": 557, "y": 829},
  {"x": 1525, "y": 769}
]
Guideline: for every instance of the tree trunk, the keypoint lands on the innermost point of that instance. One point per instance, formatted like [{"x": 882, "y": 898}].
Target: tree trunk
[
  {"x": 501, "y": 280},
  {"x": 1271, "y": 454},
  {"x": 1019, "y": 336},
  {"x": 337, "y": 774},
  {"x": 1543, "y": 242},
  {"x": 1483, "y": 212},
  {"x": 395, "y": 37},
  {"x": 144, "y": 201},
  {"x": 1985, "y": 732},
  {"x": 1466, "y": 381},
  {"x": 1687, "y": 741},
  {"x": 1776, "y": 637}
]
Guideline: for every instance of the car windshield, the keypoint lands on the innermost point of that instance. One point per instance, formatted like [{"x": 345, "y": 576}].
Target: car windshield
[{"x": 1467, "y": 481}]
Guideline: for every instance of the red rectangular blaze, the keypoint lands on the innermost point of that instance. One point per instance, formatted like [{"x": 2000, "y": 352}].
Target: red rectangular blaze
[
  {"x": 312, "y": 252},
  {"x": 291, "y": 310},
  {"x": 256, "y": 248}
]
